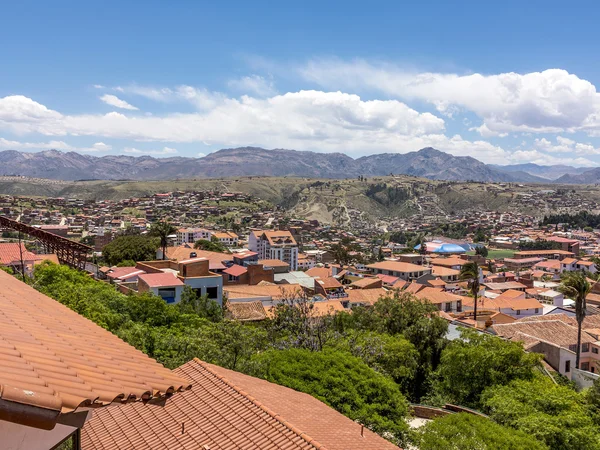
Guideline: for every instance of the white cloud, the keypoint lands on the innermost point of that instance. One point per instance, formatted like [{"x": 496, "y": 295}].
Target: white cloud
[
  {"x": 306, "y": 120},
  {"x": 565, "y": 145},
  {"x": 164, "y": 151},
  {"x": 544, "y": 159},
  {"x": 98, "y": 86},
  {"x": 253, "y": 84},
  {"x": 115, "y": 101},
  {"x": 551, "y": 101},
  {"x": 6, "y": 144},
  {"x": 201, "y": 155}
]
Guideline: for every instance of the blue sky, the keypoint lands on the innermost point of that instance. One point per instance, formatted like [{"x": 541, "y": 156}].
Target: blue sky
[{"x": 508, "y": 82}]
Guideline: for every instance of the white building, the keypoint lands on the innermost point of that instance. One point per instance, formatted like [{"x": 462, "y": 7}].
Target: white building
[
  {"x": 227, "y": 238},
  {"x": 191, "y": 235},
  {"x": 279, "y": 245}
]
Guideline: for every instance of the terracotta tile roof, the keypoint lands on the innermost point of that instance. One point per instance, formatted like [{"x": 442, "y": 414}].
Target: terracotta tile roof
[
  {"x": 123, "y": 272},
  {"x": 414, "y": 287},
  {"x": 272, "y": 291},
  {"x": 10, "y": 253},
  {"x": 387, "y": 279},
  {"x": 397, "y": 266},
  {"x": 54, "y": 361},
  {"x": 366, "y": 283},
  {"x": 227, "y": 410},
  {"x": 365, "y": 296},
  {"x": 321, "y": 272},
  {"x": 553, "y": 331},
  {"x": 246, "y": 311},
  {"x": 273, "y": 263},
  {"x": 161, "y": 279},
  {"x": 437, "y": 296},
  {"x": 327, "y": 307},
  {"x": 183, "y": 253},
  {"x": 329, "y": 283},
  {"x": 441, "y": 271},
  {"x": 235, "y": 270}
]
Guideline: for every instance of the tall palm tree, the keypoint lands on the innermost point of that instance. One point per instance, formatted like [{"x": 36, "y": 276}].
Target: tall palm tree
[
  {"x": 576, "y": 286},
  {"x": 162, "y": 230},
  {"x": 470, "y": 272}
]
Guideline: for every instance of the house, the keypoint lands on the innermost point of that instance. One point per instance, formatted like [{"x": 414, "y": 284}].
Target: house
[
  {"x": 510, "y": 302},
  {"x": 556, "y": 338},
  {"x": 191, "y": 235},
  {"x": 569, "y": 245},
  {"x": 364, "y": 297},
  {"x": 268, "y": 294},
  {"x": 505, "y": 286},
  {"x": 549, "y": 254},
  {"x": 406, "y": 271},
  {"x": 279, "y": 245},
  {"x": 229, "y": 410},
  {"x": 227, "y": 238},
  {"x": 568, "y": 265},
  {"x": 11, "y": 254},
  {"x": 276, "y": 265},
  {"x": 165, "y": 284},
  {"x": 194, "y": 272},
  {"x": 520, "y": 264},
  {"x": 445, "y": 301},
  {"x": 446, "y": 274},
  {"x": 329, "y": 287},
  {"x": 53, "y": 374},
  {"x": 123, "y": 274}
]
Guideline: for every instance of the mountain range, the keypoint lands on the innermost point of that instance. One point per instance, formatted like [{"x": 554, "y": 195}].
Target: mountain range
[{"x": 254, "y": 161}]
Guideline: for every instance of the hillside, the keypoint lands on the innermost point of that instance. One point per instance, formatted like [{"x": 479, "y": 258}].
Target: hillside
[
  {"x": 340, "y": 201},
  {"x": 588, "y": 177},
  {"x": 252, "y": 161}
]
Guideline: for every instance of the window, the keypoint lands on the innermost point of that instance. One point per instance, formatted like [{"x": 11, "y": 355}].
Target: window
[
  {"x": 585, "y": 347},
  {"x": 567, "y": 366},
  {"x": 448, "y": 307},
  {"x": 537, "y": 310},
  {"x": 459, "y": 306},
  {"x": 167, "y": 294},
  {"x": 585, "y": 366},
  {"x": 212, "y": 292},
  {"x": 573, "y": 347},
  {"x": 595, "y": 350},
  {"x": 518, "y": 312}
]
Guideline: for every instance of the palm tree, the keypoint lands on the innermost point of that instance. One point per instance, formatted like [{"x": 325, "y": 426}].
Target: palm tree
[
  {"x": 576, "y": 286},
  {"x": 470, "y": 273},
  {"x": 162, "y": 230}
]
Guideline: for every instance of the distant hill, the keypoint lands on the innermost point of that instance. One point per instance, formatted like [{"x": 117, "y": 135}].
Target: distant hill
[
  {"x": 590, "y": 176},
  {"x": 547, "y": 172},
  {"x": 253, "y": 161}
]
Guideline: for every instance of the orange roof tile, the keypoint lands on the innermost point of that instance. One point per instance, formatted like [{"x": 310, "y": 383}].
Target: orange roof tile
[
  {"x": 54, "y": 361},
  {"x": 229, "y": 410}
]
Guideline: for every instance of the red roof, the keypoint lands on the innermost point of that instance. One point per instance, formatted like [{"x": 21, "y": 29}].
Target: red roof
[
  {"x": 10, "y": 253},
  {"x": 229, "y": 410},
  {"x": 123, "y": 272},
  {"x": 161, "y": 279},
  {"x": 235, "y": 270}
]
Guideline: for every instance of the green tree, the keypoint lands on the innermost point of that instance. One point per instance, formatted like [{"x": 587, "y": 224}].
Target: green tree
[
  {"x": 201, "y": 305},
  {"x": 576, "y": 286},
  {"x": 342, "y": 381},
  {"x": 555, "y": 415},
  {"x": 214, "y": 245},
  {"x": 476, "y": 361},
  {"x": 162, "y": 230},
  {"x": 470, "y": 272},
  {"x": 482, "y": 251},
  {"x": 470, "y": 432},
  {"x": 479, "y": 235},
  {"x": 134, "y": 247}
]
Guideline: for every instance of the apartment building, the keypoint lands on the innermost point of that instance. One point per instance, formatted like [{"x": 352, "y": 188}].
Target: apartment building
[
  {"x": 279, "y": 245},
  {"x": 191, "y": 235}
]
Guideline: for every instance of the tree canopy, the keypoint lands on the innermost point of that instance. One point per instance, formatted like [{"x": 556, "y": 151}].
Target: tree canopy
[
  {"x": 470, "y": 432},
  {"x": 134, "y": 247},
  {"x": 342, "y": 381},
  {"x": 214, "y": 245}
]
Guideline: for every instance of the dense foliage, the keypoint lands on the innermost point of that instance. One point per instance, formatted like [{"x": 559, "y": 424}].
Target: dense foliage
[
  {"x": 555, "y": 415},
  {"x": 342, "y": 381},
  {"x": 540, "y": 244},
  {"x": 469, "y": 432},
  {"x": 214, "y": 245},
  {"x": 477, "y": 361},
  {"x": 134, "y": 247},
  {"x": 578, "y": 220}
]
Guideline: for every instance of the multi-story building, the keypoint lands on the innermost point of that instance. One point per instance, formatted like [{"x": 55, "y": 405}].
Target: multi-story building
[
  {"x": 191, "y": 235},
  {"x": 279, "y": 245},
  {"x": 227, "y": 238}
]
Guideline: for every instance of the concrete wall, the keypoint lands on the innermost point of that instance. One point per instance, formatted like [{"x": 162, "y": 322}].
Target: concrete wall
[{"x": 583, "y": 379}]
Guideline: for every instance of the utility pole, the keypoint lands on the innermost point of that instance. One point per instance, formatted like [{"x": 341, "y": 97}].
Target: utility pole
[{"x": 21, "y": 247}]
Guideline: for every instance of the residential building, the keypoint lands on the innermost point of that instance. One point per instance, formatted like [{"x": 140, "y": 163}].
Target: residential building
[
  {"x": 406, "y": 271},
  {"x": 165, "y": 285},
  {"x": 279, "y": 245},
  {"x": 227, "y": 238},
  {"x": 191, "y": 235}
]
